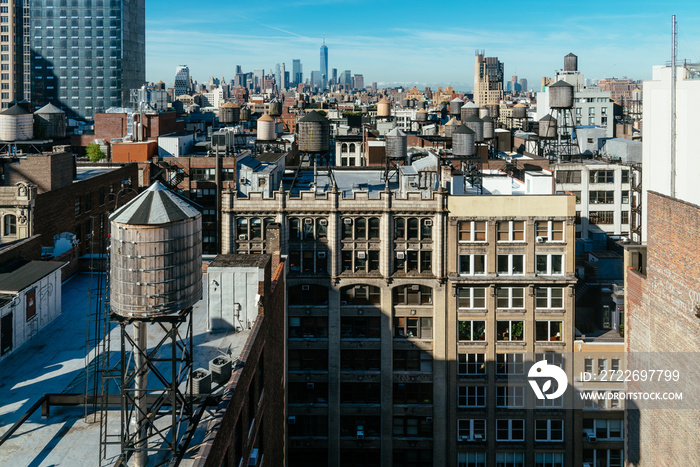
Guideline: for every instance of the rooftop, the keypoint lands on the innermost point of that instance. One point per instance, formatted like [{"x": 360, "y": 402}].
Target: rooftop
[
  {"x": 18, "y": 275},
  {"x": 85, "y": 172},
  {"x": 57, "y": 365}
]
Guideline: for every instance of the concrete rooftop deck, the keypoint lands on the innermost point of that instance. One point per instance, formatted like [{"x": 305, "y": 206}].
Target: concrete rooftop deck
[{"x": 53, "y": 362}]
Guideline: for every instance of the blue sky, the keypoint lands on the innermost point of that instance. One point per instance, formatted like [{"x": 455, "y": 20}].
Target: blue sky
[{"x": 416, "y": 42}]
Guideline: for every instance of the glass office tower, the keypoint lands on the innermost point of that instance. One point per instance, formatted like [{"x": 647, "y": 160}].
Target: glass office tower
[{"x": 87, "y": 54}]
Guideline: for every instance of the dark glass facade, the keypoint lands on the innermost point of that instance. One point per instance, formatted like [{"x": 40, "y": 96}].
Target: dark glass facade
[{"x": 87, "y": 54}]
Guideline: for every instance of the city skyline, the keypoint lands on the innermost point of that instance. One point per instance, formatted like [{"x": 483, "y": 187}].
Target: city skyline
[{"x": 623, "y": 39}]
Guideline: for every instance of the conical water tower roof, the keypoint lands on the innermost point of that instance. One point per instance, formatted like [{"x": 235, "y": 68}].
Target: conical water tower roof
[
  {"x": 396, "y": 132},
  {"x": 157, "y": 205},
  {"x": 463, "y": 129},
  {"x": 49, "y": 109}
]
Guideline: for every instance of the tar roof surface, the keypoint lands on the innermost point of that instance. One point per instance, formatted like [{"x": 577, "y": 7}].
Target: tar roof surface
[{"x": 19, "y": 275}]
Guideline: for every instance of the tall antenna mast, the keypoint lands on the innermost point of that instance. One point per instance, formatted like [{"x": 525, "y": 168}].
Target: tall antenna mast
[{"x": 673, "y": 107}]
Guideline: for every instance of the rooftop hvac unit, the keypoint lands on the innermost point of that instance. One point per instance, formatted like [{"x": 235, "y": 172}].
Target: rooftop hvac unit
[
  {"x": 541, "y": 239},
  {"x": 323, "y": 222},
  {"x": 400, "y": 255},
  {"x": 347, "y": 221},
  {"x": 242, "y": 237},
  {"x": 308, "y": 221}
]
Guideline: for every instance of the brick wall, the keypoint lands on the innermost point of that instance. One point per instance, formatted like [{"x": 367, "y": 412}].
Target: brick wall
[
  {"x": 27, "y": 248},
  {"x": 661, "y": 318},
  {"x": 54, "y": 211},
  {"x": 49, "y": 171}
]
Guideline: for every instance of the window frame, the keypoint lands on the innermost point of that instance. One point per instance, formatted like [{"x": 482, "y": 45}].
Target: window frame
[
  {"x": 472, "y": 232},
  {"x": 470, "y": 397},
  {"x": 538, "y": 327},
  {"x": 549, "y": 298},
  {"x": 549, "y": 430},
  {"x": 510, "y": 231},
  {"x": 468, "y": 428},
  {"x": 510, "y": 266},
  {"x": 511, "y": 298},
  {"x": 472, "y": 261},
  {"x": 549, "y": 264},
  {"x": 511, "y": 429},
  {"x": 471, "y": 330},
  {"x": 471, "y": 298},
  {"x": 471, "y": 364}
]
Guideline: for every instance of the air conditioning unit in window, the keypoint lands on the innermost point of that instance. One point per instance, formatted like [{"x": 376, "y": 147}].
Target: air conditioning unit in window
[
  {"x": 321, "y": 254},
  {"x": 429, "y": 419},
  {"x": 242, "y": 180},
  {"x": 478, "y": 438},
  {"x": 400, "y": 255},
  {"x": 323, "y": 222},
  {"x": 305, "y": 288},
  {"x": 291, "y": 420},
  {"x": 361, "y": 255},
  {"x": 462, "y": 438},
  {"x": 343, "y": 302},
  {"x": 309, "y": 385},
  {"x": 541, "y": 239},
  {"x": 429, "y": 222},
  {"x": 347, "y": 221},
  {"x": 591, "y": 438},
  {"x": 308, "y": 221},
  {"x": 253, "y": 460},
  {"x": 242, "y": 237}
]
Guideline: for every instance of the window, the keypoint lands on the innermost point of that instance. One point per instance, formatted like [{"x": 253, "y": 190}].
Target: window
[
  {"x": 471, "y": 459},
  {"x": 509, "y": 364},
  {"x": 603, "y": 429},
  {"x": 412, "y": 228},
  {"x": 471, "y": 430},
  {"x": 552, "y": 231},
  {"x": 548, "y": 331},
  {"x": 200, "y": 174},
  {"x": 10, "y": 227},
  {"x": 471, "y": 364},
  {"x": 412, "y": 427},
  {"x": 615, "y": 364},
  {"x": 307, "y": 360},
  {"x": 602, "y": 197},
  {"x": 421, "y": 328},
  {"x": 412, "y": 393},
  {"x": 511, "y": 264},
  {"x": 588, "y": 365},
  {"x": 359, "y": 393},
  {"x": 551, "y": 358},
  {"x": 550, "y": 264},
  {"x": 359, "y": 327},
  {"x": 510, "y": 459},
  {"x": 413, "y": 360},
  {"x": 577, "y": 194},
  {"x": 413, "y": 261},
  {"x": 601, "y": 217},
  {"x": 472, "y": 264},
  {"x": 511, "y": 231},
  {"x": 359, "y": 360},
  {"x": 412, "y": 295},
  {"x": 601, "y": 176},
  {"x": 472, "y": 330},
  {"x": 510, "y": 430},
  {"x": 510, "y": 297},
  {"x": 602, "y": 365},
  {"x": 471, "y": 297},
  {"x": 625, "y": 176},
  {"x": 568, "y": 176},
  {"x": 549, "y": 297},
  {"x": 549, "y": 430},
  {"x": 471, "y": 396},
  {"x": 549, "y": 459},
  {"x": 308, "y": 326},
  {"x": 354, "y": 295},
  {"x": 625, "y": 197},
  {"x": 307, "y": 295},
  {"x": 509, "y": 397},
  {"x": 509, "y": 330},
  {"x": 472, "y": 231},
  {"x": 77, "y": 205}
]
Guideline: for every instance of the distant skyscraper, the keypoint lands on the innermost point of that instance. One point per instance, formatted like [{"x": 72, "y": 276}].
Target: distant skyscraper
[
  {"x": 182, "y": 80},
  {"x": 258, "y": 76},
  {"x": 315, "y": 78},
  {"x": 488, "y": 79},
  {"x": 278, "y": 75},
  {"x": 297, "y": 76},
  {"x": 523, "y": 84},
  {"x": 334, "y": 75},
  {"x": 358, "y": 82},
  {"x": 324, "y": 63},
  {"x": 239, "y": 69},
  {"x": 86, "y": 58}
]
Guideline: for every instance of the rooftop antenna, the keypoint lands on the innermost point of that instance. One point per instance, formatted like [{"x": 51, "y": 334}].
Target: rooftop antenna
[{"x": 674, "y": 54}]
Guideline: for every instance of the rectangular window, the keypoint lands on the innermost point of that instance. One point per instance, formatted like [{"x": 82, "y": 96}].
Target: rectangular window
[
  {"x": 471, "y": 396},
  {"x": 359, "y": 327},
  {"x": 471, "y": 297},
  {"x": 601, "y": 217},
  {"x": 509, "y": 331},
  {"x": 471, "y": 430},
  {"x": 510, "y": 430},
  {"x": 421, "y": 328},
  {"x": 625, "y": 176},
  {"x": 472, "y": 330},
  {"x": 549, "y": 459},
  {"x": 471, "y": 364},
  {"x": 472, "y": 231},
  {"x": 510, "y": 265},
  {"x": 549, "y": 430},
  {"x": 509, "y": 397},
  {"x": 588, "y": 365},
  {"x": 625, "y": 197},
  {"x": 568, "y": 176},
  {"x": 77, "y": 205},
  {"x": 509, "y": 364},
  {"x": 471, "y": 459},
  {"x": 551, "y": 231},
  {"x": 601, "y": 197},
  {"x": 549, "y": 297},
  {"x": 511, "y": 231},
  {"x": 601, "y": 176},
  {"x": 472, "y": 264},
  {"x": 510, "y": 459},
  {"x": 548, "y": 331},
  {"x": 510, "y": 297},
  {"x": 550, "y": 264}
]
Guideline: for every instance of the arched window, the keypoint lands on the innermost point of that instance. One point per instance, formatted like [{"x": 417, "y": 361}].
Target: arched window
[
  {"x": 344, "y": 147},
  {"x": 360, "y": 294},
  {"x": 309, "y": 295},
  {"x": 10, "y": 224},
  {"x": 352, "y": 148}
]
